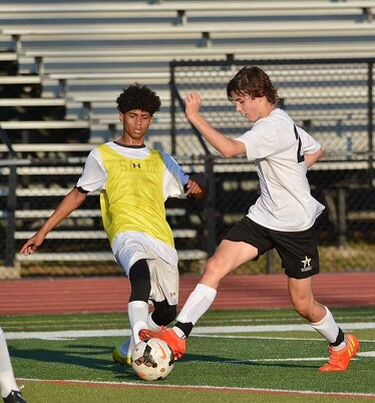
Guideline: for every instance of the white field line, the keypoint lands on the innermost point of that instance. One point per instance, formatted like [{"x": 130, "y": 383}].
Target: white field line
[
  {"x": 368, "y": 354},
  {"x": 203, "y": 387},
  {"x": 276, "y": 328},
  {"x": 278, "y": 320},
  {"x": 66, "y": 334},
  {"x": 69, "y": 334},
  {"x": 258, "y": 360},
  {"x": 218, "y": 336}
]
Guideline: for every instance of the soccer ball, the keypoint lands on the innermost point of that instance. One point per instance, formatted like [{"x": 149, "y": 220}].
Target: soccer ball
[{"x": 152, "y": 360}]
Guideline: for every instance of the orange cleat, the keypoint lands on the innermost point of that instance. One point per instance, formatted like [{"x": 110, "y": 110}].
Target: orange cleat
[
  {"x": 177, "y": 345},
  {"x": 339, "y": 361}
]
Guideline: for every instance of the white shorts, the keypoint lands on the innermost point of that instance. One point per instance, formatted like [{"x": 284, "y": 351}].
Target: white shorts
[{"x": 164, "y": 276}]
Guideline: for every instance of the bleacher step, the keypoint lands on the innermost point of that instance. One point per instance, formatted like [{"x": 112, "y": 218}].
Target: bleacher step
[{"x": 177, "y": 233}]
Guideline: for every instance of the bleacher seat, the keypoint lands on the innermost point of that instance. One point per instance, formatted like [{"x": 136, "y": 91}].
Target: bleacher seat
[{"x": 121, "y": 42}]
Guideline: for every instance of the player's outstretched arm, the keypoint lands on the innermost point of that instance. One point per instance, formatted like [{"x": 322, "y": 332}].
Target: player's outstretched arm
[
  {"x": 70, "y": 203},
  {"x": 226, "y": 146}
]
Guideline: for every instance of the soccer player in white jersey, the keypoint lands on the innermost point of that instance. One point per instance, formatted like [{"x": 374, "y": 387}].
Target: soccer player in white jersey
[
  {"x": 282, "y": 217},
  {"x": 134, "y": 181},
  {"x": 8, "y": 386}
]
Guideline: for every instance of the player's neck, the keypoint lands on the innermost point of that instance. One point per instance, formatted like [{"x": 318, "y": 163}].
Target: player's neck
[
  {"x": 267, "y": 110},
  {"x": 131, "y": 142}
]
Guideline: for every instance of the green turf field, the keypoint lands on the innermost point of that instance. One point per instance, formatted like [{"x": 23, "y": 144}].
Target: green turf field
[{"x": 235, "y": 356}]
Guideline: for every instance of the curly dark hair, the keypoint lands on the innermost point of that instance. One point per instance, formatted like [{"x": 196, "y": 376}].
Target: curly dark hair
[
  {"x": 252, "y": 81},
  {"x": 138, "y": 96}
]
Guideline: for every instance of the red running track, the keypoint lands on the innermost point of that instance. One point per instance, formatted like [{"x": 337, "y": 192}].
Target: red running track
[{"x": 110, "y": 294}]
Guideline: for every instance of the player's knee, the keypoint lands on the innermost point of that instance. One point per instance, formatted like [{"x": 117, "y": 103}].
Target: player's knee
[
  {"x": 164, "y": 313},
  {"x": 215, "y": 269},
  {"x": 212, "y": 266}
]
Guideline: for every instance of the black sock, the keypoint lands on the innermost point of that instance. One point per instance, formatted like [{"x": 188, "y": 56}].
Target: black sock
[
  {"x": 185, "y": 327},
  {"x": 340, "y": 338}
]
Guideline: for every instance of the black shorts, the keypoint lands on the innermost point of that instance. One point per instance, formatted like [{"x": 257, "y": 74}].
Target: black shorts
[{"x": 298, "y": 250}]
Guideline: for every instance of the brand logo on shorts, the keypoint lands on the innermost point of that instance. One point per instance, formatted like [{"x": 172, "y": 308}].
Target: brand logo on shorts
[
  {"x": 136, "y": 165},
  {"x": 306, "y": 264}
]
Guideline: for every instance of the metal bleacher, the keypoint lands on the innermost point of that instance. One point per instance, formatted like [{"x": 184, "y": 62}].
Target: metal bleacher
[
  {"x": 68, "y": 62},
  {"x": 86, "y": 52}
]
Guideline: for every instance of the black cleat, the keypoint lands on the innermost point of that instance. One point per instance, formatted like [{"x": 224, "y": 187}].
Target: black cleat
[{"x": 14, "y": 397}]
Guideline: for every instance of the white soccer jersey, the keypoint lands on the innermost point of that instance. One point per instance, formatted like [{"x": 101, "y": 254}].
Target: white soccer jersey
[
  {"x": 94, "y": 178},
  {"x": 285, "y": 202}
]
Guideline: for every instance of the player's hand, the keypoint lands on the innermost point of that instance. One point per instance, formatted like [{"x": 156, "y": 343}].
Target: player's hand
[
  {"x": 32, "y": 244},
  {"x": 193, "y": 102},
  {"x": 198, "y": 186}
]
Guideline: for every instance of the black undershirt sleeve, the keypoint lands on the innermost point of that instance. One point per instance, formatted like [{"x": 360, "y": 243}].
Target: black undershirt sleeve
[{"x": 81, "y": 190}]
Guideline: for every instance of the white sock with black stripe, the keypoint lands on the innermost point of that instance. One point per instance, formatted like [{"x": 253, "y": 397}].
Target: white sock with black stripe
[
  {"x": 198, "y": 302},
  {"x": 329, "y": 329}
]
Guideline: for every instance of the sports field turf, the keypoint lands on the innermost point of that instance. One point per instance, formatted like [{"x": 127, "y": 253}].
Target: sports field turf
[{"x": 234, "y": 356}]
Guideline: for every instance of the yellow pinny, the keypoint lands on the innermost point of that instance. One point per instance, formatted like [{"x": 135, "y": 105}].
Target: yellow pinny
[{"x": 133, "y": 198}]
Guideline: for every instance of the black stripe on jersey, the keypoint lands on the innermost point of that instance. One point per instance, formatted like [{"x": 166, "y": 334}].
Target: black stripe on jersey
[{"x": 300, "y": 157}]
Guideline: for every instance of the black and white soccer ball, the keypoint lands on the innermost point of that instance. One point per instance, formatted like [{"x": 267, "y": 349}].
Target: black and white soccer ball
[{"x": 152, "y": 360}]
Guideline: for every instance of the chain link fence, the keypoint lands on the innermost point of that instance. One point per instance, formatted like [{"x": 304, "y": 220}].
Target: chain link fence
[{"x": 331, "y": 99}]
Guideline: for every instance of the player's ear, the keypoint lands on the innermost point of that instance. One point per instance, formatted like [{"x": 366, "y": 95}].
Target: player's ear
[{"x": 121, "y": 117}]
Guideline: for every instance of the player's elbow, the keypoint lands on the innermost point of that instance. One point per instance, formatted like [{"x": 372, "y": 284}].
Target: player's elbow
[{"x": 229, "y": 152}]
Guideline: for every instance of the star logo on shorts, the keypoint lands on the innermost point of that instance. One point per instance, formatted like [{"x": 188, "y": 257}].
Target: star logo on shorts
[{"x": 306, "y": 264}]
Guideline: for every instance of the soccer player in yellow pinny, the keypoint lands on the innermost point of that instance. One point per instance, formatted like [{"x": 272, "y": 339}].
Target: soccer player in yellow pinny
[{"x": 134, "y": 181}]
